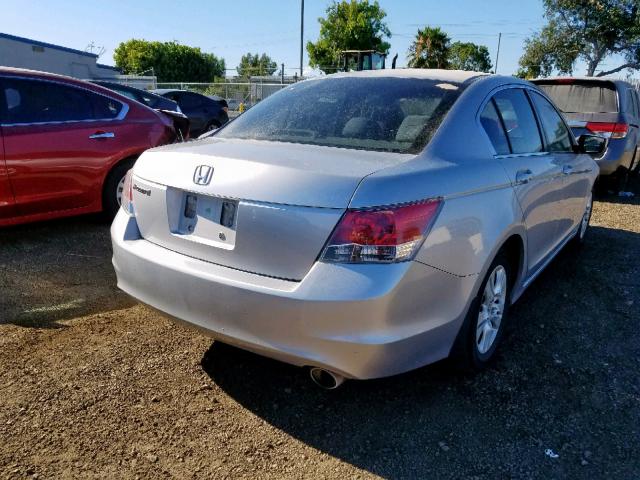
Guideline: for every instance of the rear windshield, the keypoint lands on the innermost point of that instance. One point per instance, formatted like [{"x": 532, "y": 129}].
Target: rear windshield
[
  {"x": 386, "y": 114},
  {"x": 583, "y": 97}
]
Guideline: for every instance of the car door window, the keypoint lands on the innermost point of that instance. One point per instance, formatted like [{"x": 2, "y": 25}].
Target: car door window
[
  {"x": 519, "y": 121},
  {"x": 492, "y": 124},
  {"x": 555, "y": 131},
  {"x": 630, "y": 107},
  {"x": 634, "y": 108},
  {"x": 3, "y": 103},
  {"x": 34, "y": 101}
]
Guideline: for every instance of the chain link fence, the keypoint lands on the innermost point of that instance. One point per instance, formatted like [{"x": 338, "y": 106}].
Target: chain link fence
[
  {"x": 138, "y": 81},
  {"x": 246, "y": 93}
]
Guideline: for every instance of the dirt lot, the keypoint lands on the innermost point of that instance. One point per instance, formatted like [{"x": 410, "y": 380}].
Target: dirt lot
[{"x": 93, "y": 385}]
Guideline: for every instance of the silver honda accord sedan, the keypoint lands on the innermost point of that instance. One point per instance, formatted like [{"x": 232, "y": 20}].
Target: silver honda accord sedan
[{"x": 360, "y": 224}]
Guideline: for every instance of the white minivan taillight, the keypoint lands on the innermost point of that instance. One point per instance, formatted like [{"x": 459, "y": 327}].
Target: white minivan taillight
[
  {"x": 126, "y": 201},
  {"x": 608, "y": 129},
  {"x": 382, "y": 234}
]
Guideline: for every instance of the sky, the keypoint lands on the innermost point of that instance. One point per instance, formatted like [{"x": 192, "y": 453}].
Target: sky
[{"x": 231, "y": 28}]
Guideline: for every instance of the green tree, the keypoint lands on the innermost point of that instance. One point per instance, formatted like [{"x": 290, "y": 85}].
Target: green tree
[
  {"x": 469, "y": 56},
  {"x": 430, "y": 49},
  {"x": 349, "y": 25},
  {"x": 256, "y": 65},
  {"x": 171, "y": 61},
  {"x": 584, "y": 30}
]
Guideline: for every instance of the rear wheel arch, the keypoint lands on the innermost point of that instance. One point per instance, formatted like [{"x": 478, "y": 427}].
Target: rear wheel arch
[
  {"x": 465, "y": 351},
  {"x": 513, "y": 245}
]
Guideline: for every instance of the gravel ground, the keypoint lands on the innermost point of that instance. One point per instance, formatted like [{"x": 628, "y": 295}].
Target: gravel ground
[{"x": 94, "y": 385}]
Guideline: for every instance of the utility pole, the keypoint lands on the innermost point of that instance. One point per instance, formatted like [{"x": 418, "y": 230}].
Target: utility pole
[
  {"x": 301, "y": 34},
  {"x": 495, "y": 70}
]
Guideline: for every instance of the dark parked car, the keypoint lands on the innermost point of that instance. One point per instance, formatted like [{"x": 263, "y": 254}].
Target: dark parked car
[
  {"x": 68, "y": 145},
  {"x": 608, "y": 108},
  {"x": 203, "y": 112},
  {"x": 157, "y": 102}
]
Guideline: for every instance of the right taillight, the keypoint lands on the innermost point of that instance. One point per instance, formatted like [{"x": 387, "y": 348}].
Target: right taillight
[
  {"x": 381, "y": 234},
  {"x": 126, "y": 201},
  {"x": 608, "y": 129}
]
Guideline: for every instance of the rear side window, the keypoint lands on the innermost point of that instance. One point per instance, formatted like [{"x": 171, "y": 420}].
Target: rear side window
[
  {"x": 34, "y": 101},
  {"x": 125, "y": 93},
  {"x": 368, "y": 113},
  {"x": 189, "y": 100},
  {"x": 583, "y": 97},
  {"x": 149, "y": 100},
  {"x": 493, "y": 126},
  {"x": 519, "y": 121},
  {"x": 555, "y": 130}
]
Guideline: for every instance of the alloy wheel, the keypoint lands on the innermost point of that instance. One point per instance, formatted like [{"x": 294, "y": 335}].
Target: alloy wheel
[
  {"x": 119, "y": 190},
  {"x": 491, "y": 309}
]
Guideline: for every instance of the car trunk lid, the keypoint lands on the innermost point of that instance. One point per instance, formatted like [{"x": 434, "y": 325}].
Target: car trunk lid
[{"x": 262, "y": 207}]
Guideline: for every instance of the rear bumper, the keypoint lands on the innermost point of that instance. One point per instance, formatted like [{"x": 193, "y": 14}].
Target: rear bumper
[{"x": 363, "y": 321}]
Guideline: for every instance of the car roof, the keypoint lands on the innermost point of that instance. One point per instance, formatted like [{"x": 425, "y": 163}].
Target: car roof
[
  {"x": 455, "y": 76},
  {"x": 105, "y": 83},
  {"x": 162, "y": 91},
  {"x": 617, "y": 82},
  {"x": 36, "y": 74},
  {"x": 115, "y": 84},
  {"x": 25, "y": 72}
]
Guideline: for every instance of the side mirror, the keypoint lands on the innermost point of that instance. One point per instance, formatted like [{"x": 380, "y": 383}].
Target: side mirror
[{"x": 592, "y": 144}]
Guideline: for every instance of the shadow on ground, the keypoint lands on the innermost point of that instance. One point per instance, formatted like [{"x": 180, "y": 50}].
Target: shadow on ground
[
  {"x": 633, "y": 186},
  {"x": 57, "y": 270},
  {"x": 558, "y": 383}
]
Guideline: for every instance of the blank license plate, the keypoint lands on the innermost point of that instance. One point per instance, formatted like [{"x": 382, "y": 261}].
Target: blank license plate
[{"x": 210, "y": 218}]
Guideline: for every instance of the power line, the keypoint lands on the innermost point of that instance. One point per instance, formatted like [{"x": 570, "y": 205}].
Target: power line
[
  {"x": 301, "y": 34},
  {"x": 495, "y": 70}
]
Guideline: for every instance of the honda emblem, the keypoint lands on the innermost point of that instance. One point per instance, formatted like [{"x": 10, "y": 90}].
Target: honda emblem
[{"x": 202, "y": 175}]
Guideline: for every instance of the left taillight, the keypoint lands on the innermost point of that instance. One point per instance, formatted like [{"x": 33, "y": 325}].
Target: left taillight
[
  {"x": 127, "y": 194},
  {"x": 381, "y": 235}
]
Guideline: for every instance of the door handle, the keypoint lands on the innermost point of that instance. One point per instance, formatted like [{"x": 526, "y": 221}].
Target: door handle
[
  {"x": 99, "y": 135},
  {"x": 523, "y": 176},
  {"x": 567, "y": 169}
]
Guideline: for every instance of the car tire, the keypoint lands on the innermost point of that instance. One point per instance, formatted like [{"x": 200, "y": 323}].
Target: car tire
[
  {"x": 636, "y": 169},
  {"x": 211, "y": 126},
  {"x": 578, "y": 240},
  {"x": 484, "y": 325},
  {"x": 621, "y": 179},
  {"x": 112, "y": 191}
]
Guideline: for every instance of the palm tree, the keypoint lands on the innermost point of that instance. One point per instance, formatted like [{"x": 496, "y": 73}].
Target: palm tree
[{"x": 430, "y": 49}]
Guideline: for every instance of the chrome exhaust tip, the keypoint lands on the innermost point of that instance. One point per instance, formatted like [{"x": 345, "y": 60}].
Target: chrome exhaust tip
[{"x": 325, "y": 378}]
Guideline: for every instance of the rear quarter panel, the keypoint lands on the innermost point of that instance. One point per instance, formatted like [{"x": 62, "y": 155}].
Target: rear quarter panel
[{"x": 480, "y": 210}]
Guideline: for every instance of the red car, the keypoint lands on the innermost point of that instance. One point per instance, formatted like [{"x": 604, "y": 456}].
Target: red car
[{"x": 66, "y": 145}]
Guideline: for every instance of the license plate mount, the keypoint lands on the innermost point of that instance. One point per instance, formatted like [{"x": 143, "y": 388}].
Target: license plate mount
[{"x": 208, "y": 219}]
